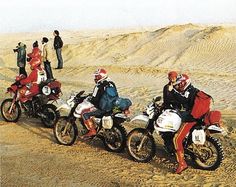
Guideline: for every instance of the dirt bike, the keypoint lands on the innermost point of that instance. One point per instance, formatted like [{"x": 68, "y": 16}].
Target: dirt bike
[
  {"x": 37, "y": 106},
  {"x": 109, "y": 126},
  {"x": 200, "y": 147}
]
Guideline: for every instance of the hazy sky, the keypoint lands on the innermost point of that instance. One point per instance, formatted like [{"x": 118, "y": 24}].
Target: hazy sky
[{"x": 46, "y": 15}]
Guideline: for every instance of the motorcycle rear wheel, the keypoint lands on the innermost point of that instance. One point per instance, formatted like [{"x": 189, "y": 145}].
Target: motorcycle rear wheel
[
  {"x": 208, "y": 156},
  {"x": 65, "y": 132},
  {"x": 116, "y": 139},
  {"x": 15, "y": 113},
  {"x": 141, "y": 145},
  {"x": 52, "y": 115}
]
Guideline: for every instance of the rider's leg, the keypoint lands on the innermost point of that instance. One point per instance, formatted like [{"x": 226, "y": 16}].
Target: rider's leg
[
  {"x": 89, "y": 123},
  {"x": 178, "y": 142}
]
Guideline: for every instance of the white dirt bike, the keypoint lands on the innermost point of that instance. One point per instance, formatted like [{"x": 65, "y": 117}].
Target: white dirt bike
[
  {"x": 200, "y": 147},
  {"x": 109, "y": 126}
]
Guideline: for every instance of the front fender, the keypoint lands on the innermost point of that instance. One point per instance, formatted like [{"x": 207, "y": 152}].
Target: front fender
[
  {"x": 140, "y": 117},
  {"x": 64, "y": 106}
]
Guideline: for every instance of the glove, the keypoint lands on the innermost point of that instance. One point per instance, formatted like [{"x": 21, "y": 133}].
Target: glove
[{"x": 17, "y": 83}]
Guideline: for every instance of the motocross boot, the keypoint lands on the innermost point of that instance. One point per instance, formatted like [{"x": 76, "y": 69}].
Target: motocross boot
[
  {"x": 182, "y": 164},
  {"x": 91, "y": 129}
]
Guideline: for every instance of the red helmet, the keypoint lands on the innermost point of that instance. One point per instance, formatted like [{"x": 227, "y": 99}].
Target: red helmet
[
  {"x": 172, "y": 76},
  {"x": 182, "y": 82},
  {"x": 34, "y": 62},
  {"x": 100, "y": 74}
]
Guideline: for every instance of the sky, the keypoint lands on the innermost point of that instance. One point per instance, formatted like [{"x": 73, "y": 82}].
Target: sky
[{"x": 47, "y": 15}]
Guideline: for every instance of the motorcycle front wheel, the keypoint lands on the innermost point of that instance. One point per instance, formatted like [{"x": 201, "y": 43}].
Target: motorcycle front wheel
[
  {"x": 141, "y": 145},
  {"x": 65, "y": 132},
  {"x": 10, "y": 112},
  {"x": 208, "y": 156},
  {"x": 50, "y": 115},
  {"x": 114, "y": 139}
]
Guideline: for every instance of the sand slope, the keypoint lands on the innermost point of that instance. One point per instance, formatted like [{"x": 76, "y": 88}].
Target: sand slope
[{"x": 138, "y": 61}]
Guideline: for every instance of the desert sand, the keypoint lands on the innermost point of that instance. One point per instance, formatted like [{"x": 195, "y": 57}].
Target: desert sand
[{"x": 138, "y": 62}]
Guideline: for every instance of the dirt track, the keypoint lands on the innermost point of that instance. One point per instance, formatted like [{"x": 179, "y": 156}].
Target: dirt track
[{"x": 31, "y": 157}]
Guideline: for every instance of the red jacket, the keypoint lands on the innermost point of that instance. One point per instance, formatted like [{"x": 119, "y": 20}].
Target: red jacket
[
  {"x": 36, "y": 53},
  {"x": 35, "y": 78}
]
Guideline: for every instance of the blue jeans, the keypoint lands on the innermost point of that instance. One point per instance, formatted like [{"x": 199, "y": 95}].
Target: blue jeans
[
  {"x": 59, "y": 58},
  {"x": 48, "y": 69},
  {"x": 96, "y": 113}
]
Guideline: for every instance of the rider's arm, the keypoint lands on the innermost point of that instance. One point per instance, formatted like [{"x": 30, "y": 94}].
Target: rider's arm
[
  {"x": 97, "y": 93},
  {"x": 186, "y": 98},
  {"x": 182, "y": 98},
  {"x": 165, "y": 95}
]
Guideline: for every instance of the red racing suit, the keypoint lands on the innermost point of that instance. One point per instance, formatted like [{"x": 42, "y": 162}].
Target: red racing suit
[
  {"x": 36, "y": 53},
  {"x": 187, "y": 100},
  {"x": 34, "y": 79}
]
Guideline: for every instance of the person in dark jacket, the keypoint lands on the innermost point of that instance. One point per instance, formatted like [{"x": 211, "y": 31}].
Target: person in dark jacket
[
  {"x": 102, "y": 82},
  {"x": 185, "y": 93},
  {"x": 21, "y": 57},
  {"x": 169, "y": 102},
  {"x": 168, "y": 99},
  {"x": 58, "y": 44}
]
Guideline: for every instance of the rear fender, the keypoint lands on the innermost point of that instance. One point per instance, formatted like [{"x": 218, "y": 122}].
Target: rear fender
[{"x": 216, "y": 129}]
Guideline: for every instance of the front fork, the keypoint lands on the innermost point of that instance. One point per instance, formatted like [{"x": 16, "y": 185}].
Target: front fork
[
  {"x": 12, "y": 105},
  {"x": 69, "y": 123},
  {"x": 142, "y": 142},
  {"x": 66, "y": 128},
  {"x": 143, "y": 139}
]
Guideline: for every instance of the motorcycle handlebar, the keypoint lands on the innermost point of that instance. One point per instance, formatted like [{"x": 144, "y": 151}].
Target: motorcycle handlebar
[
  {"x": 79, "y": 95},
  {"x": 158, "y": 98}
]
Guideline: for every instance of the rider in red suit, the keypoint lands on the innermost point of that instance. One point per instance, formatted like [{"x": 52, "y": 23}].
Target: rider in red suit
[
  {"x": 185, "y": 94},
  {"x": 33, "y": 80}
]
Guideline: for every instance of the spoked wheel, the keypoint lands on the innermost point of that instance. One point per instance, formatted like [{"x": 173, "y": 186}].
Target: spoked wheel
[
  {"x": 50, "y": 115},
  {"x": 208, "y": 156},
  {"x": 141, "y": 145},
  {"x": 65, "y": 132},
  {"x": 10, "y": 112},
  {"x": 115, "y": 138}
]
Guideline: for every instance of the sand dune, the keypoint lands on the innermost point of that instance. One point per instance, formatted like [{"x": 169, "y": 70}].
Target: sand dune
[{"x": 138, "y": 61}]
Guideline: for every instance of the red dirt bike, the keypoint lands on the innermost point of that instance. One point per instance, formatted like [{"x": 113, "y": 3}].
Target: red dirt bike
[{"x": 37, "y": 106}]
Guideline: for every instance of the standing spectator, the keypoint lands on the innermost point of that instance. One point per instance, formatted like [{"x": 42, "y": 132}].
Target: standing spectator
[
  {"x": 58, "y": 44},
  {"x": 45, "y": 55},
  {"x": 21, "y": 57},
  {"x": 36, "y": 52}
]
